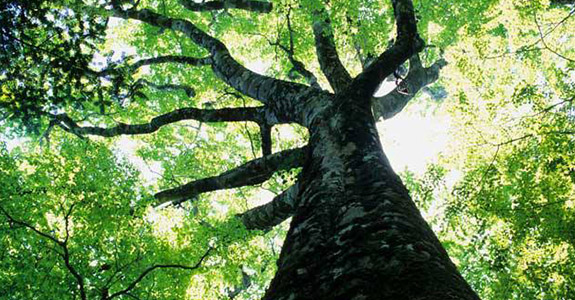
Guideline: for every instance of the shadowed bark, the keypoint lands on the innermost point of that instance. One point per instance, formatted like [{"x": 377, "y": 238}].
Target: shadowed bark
[
  {"x": 386, "y": 107},
  {"x": 355, "y": 232},
  {"x": 562, "y": 2},
  {"x": 266, "y": 135}
]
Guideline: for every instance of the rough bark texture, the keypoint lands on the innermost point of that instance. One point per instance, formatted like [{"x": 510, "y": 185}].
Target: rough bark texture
[{"x": 356, "y": 233}]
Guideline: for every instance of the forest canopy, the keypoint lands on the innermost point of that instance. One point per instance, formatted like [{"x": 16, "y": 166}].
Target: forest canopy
[{"x": 135, "y": 165}]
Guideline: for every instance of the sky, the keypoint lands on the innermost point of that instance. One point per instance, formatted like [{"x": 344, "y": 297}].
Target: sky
[{"x": 414, "y": 137}]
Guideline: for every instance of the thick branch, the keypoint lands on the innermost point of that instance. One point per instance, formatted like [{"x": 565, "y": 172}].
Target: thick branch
[
  {"x": 249, "y": 5},
  {"x": 255, "y": 114},
  {"x": 147, "y": 271},
  {"x": 266, "y": 135},
  {"x": 282, "y": 96},
  {"x": 417, "y": 78},
  {"x": 192, "y": 61},
  {"x": 406, "y": 45},
  {"x": 562, "y": 2},
  {"x": 253, "y": 172},
  {"x": 328, "y": 58},
  {"x": 272, "y": 213}
]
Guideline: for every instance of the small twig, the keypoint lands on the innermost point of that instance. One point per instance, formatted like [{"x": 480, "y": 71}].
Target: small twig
[{"x": 542, "y": 38}]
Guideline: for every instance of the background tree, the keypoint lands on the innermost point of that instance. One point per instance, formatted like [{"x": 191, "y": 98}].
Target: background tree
[
  {"x": 500, "y": 195},
  {"x": 109, "y": 242}
]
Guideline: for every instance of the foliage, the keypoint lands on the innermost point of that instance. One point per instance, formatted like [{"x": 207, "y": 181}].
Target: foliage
[
  {"x": 507, "y": 220},
  {"x": 75, "y": 202}
]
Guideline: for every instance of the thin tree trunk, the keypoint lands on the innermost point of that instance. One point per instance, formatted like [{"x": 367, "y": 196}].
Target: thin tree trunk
[{"x": 356, "y": 233}]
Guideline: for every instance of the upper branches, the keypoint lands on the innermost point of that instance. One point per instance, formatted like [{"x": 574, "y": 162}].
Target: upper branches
[
  {"x": 282, "y": 96},
  {"x": 329, "y": 61},
  {"x": 298, "y": 66},
  {"x": 407, "y": 43},
  {"x": 249, "y": 5}
]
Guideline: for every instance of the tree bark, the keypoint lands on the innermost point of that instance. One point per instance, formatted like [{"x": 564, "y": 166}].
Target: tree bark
[{"x": 356, "y": 233}]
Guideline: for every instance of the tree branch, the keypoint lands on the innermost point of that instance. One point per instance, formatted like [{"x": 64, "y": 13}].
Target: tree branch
[
  {"x": 192, "y": 61},
  {"x": 328, "y": 58},
  {"x": 407, "y": 43},
  {"x": 283, "y": 97},
  {"x": 147, "y": 271},
  {"x": 30, "y": 227},
  {"x": 62, "y": 244},
  {"x": 266, "y": 135},
  {"x": 272, "y": 213},
  {"x": 417, "y": 78},
  {"x": 298, "y": 66},
  {"x": 249, "y": 5},
  {"x": 253, "y": 172},
  {"x": 255, "y": 114}
]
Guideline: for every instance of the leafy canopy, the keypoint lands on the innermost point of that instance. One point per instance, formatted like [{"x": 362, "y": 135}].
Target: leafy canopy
[{"x": 500, "y": 197}]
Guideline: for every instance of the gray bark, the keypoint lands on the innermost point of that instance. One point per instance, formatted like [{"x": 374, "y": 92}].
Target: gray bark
[{"x": 356, "y": 233}]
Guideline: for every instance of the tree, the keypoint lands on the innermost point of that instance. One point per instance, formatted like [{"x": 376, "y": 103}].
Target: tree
[
  {"x": 355, "y": 232},
  {"x": 509, "y": 212}
]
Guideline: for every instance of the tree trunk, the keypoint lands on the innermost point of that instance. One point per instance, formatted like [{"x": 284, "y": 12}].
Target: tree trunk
[{"x": 356, "y": 233}]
